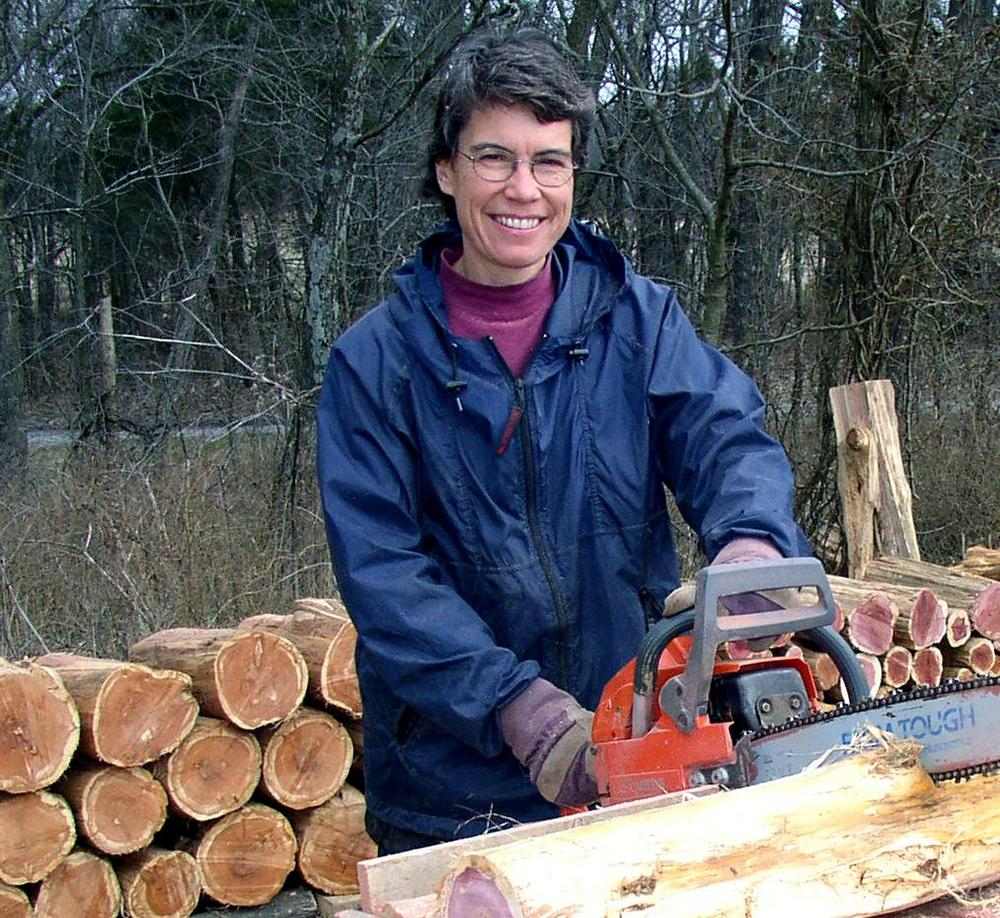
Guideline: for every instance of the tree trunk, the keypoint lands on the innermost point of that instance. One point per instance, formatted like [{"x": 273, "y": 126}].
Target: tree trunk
[
  {"x": 248, "y": 678},
  {"x": 214, "y": 771},
  {"x": 306, "y": 759},
  {"x": 193, "y": 302},
  {"x": 877, "y": 502},
  {"x": 159, "y": 884},
  {"x": 958, "y": 590},
  {"x": 117, "y": 810},
  {"x": 332, "y": 840},
  {"x": 83, "y": 884},
  {"x": 36, "y": 835},
  {"x": 978, "y": 654},
  {"x": 246, "y": 856},
  {"x": 129, "y": 714},
  {"x": 39, "y": 730}
]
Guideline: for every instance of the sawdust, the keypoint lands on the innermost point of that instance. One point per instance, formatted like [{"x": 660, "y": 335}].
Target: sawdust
[{"x": 895, "y": 753}]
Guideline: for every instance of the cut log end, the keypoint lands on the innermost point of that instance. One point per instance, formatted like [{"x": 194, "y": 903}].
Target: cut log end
[
  {"x": 928, "y": 667},
  {"x": 14, "y": 903},
  {"x": 985, "y": 612},
  {"x": 157, "y": 883},
  {"x": 39, "y": 833},
  {"x": 131, "y": 714},
  {"x": 870, "y": 626},
  {"x": 83, "y": 884},
  {"x": 39, "y": 727},
  {"x": 306, "y": 759},
  {"x": 261, "y": 679},
  {"x": 332, "y": 841},
  {"x": 246, "y": 856},
  {"x": 117, "y": 810},
  {"x": 213, "y": 772}
]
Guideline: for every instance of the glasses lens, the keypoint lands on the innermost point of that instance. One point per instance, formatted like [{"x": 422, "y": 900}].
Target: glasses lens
[
  {"x": 494, "y": 167},
  {"x": 552, "y": 172}
]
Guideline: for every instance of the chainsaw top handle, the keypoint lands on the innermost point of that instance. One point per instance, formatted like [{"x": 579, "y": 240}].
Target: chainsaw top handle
[{"x": 685, "y": 696}]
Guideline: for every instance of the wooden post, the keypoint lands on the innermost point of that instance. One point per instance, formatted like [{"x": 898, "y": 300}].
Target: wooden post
[{"x": 874, "y": 492}]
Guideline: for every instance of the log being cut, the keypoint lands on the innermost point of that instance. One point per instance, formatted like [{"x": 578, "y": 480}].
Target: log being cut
[
  {"x": 250, "y": 678},
  {"x": 39, "y": 730},
  {"x": 864, "y": 836},
  {"x": 129, "y": 714}
]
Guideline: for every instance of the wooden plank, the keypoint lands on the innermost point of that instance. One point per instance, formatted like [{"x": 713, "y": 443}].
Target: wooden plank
[
  {"x": 419, "y": 873},
  {"x": 874, "y": 490},
  {"x": 334, "y": 906}
]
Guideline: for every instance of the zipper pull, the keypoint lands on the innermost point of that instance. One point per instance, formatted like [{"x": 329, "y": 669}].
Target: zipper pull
[{"x": 516, "y": 413}]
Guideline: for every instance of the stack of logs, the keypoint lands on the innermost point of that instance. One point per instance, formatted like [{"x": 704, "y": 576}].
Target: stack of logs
[
  {"x": 913, "y": 624},
  {"x": 214, "y": 761},
  {"x": 980, "y": 561}
]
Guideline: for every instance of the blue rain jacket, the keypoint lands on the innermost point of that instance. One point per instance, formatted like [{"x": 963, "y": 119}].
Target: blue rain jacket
[{"x": 486, "y": 530}]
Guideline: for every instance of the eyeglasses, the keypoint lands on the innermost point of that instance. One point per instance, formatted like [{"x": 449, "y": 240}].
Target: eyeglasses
[{"x": 499, "y": 166}]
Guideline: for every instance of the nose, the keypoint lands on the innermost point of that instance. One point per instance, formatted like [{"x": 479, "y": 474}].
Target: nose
[{"x": 522, "y": 185}]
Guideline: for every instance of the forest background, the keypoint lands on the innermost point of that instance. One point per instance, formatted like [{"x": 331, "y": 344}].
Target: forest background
[{"x": 197, "y": 197}]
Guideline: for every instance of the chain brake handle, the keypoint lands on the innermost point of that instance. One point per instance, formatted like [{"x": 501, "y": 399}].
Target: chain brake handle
[{"x": 685, "y": 696}]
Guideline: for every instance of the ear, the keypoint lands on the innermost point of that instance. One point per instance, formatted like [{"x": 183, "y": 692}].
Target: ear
[{"x": 445, "y": 176}]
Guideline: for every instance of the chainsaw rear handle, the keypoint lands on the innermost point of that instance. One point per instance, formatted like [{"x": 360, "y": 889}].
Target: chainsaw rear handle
[{"x": 685, "y": 696}]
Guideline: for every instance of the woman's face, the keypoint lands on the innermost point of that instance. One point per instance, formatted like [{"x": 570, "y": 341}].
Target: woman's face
[{"x": 508, "y": 228}]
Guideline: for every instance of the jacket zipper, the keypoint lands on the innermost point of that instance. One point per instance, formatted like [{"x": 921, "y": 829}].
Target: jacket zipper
[{"x": 535, "y": 527}]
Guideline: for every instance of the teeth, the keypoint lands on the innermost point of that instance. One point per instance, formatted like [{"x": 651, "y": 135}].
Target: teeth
[{"x": 521, "y": 223}]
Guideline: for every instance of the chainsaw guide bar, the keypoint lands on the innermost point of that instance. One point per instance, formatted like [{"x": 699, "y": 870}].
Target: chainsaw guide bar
[{"x": 958, "y": 724}]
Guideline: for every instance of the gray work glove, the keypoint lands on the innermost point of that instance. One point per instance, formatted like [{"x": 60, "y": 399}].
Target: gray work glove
[
  {"x": 549, "y": 734},
  {"x": 737, "y": 551}
]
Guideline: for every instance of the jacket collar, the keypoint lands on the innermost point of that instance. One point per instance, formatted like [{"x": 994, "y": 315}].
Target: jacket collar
[{"x": 590, "y": 272}]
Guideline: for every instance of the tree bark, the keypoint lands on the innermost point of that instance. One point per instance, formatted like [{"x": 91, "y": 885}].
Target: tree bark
[
  {"x": 39, "y": 730},
  {"x": 248, "y": 678},
  {"x": 129, "y": 714},
  {"x": 36, "y": 835},
  {"x": 214, "y": 771},
  {"x": 117, "y": 810},
  {"x": 83, "y": 884}
]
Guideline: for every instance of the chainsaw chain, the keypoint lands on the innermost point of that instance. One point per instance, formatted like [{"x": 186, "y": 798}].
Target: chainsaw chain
[{"x": 952, "y": 687}]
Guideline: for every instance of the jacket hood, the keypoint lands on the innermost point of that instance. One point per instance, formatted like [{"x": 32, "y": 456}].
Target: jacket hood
[{"x": 598, "y": 273}]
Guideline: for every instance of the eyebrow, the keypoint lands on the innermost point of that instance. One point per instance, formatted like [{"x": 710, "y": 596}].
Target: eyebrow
[{"x": 487, "y": 145}]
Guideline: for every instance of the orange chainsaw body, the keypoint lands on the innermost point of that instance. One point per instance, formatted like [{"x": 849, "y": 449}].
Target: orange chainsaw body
[{"x": 666, "y": 758}]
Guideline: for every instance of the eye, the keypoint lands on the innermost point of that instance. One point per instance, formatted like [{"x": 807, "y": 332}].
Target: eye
[
  {"x": 493, "y": 157},
  {"x": 553, "y": 162}
]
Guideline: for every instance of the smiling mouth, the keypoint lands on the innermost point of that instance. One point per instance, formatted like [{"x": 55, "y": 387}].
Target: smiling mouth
[{"x": 518, "y": 223}]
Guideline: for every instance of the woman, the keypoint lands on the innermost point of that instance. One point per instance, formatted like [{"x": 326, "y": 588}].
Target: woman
[{"x": 494, "y": 443}]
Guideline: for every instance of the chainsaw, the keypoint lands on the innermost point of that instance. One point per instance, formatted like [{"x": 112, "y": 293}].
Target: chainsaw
[{"x": 677, "y": 717}]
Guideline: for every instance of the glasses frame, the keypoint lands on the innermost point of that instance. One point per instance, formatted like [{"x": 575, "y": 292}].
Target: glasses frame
[{"x": 514, "y": 163}]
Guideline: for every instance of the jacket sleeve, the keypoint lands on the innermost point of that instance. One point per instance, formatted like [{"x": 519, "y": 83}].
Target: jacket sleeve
[
  {"x": 418, "y": 634},
  {"x": 729, "y": 477}
]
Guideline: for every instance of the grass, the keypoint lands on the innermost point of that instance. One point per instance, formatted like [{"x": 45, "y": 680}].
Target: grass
[{"x": 107, "y": 544}]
